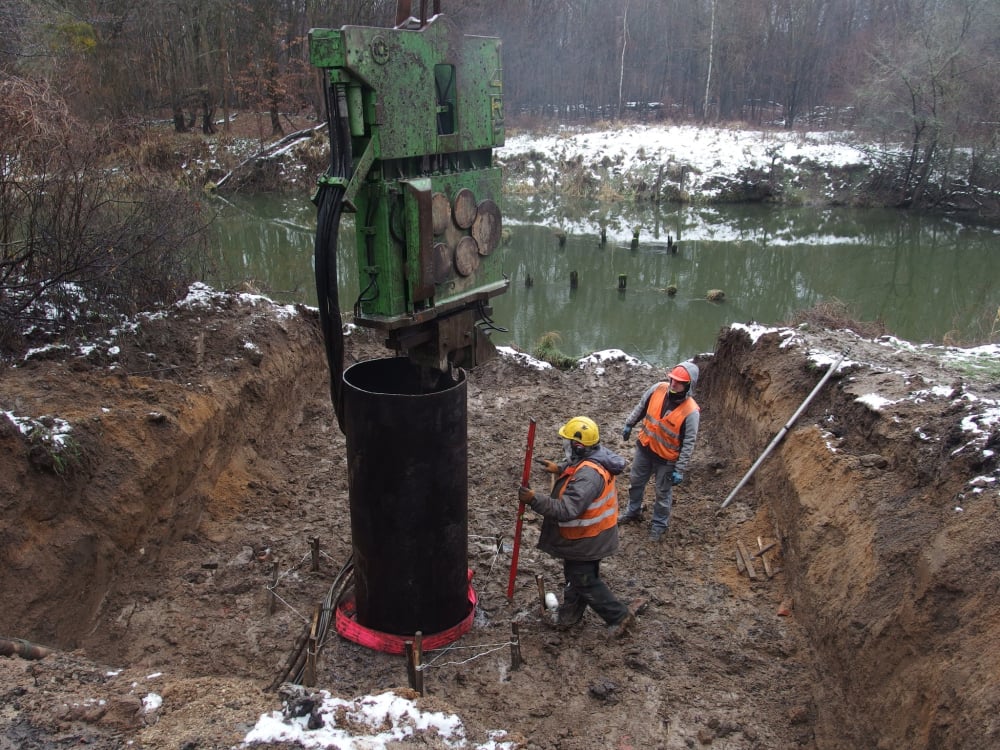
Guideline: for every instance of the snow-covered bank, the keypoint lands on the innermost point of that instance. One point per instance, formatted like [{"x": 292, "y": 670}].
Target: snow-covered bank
[{"x": 690, "y": 163}]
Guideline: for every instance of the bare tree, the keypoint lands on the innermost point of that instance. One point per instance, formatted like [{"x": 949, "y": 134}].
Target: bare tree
[
  {"x": 709, "y": 56},
  {"x": 624, "y": 45},
  {"x": 924, "y": 84},
  {"x": 78, "y": 237}
]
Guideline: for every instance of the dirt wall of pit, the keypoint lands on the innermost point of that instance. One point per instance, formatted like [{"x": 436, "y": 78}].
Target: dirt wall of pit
[
  {"x": 895, "y": 582},
  {"x": 151, "y": 448}
]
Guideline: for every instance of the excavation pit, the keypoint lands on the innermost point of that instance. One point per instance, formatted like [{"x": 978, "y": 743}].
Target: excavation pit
[{"x": 148, "y": 565}]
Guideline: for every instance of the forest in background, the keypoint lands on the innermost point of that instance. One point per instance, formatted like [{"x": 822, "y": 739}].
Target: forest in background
[
  {"x": 94, "y": 95},
  {"x": 896, "y": 64},
  {"x": 923, "y": 73}
]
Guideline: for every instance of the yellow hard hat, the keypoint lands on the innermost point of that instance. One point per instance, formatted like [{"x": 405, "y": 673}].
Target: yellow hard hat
[{"x": 582, "y": 430}]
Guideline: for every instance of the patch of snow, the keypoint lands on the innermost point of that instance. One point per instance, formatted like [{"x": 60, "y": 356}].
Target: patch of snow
[
  {"x": 525, "y": 359},
  {"x": 390, "y": 718},
  {"x": 49, "y": 430},
  {"x": 982, "y": 422},
  {"x": 611, "y": 355},
  {"x": 895, "y": 343},
  {"x": 44, "y": 349},
  {"x": 755, "y": 331},
  {"x": 707, "y": 155},
  {"x": 873, "y": 401},
  {"x": 828, "y": 440},
  {"x": 982, "y": 481},
  {"x": 825, "y": 360}
]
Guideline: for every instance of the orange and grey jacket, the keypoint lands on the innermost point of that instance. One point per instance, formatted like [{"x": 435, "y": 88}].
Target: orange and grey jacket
[
  {"x": 662, "y": 430},
  {"x": 669, "y": 436},
  {"x": 581, "y": 514},
  {"x": 601, "y": 514}
]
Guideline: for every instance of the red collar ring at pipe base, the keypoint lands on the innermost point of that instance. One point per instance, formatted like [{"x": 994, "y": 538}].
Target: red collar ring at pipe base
[{"x": 348, "y": 627}]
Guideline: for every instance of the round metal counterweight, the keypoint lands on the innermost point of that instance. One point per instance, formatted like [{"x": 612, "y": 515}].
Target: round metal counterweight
[
  {"x": 486, "y": 227},
  {"x": 465, "y": 208},
  {"x": 467, "y": 256},
  {"x": 440, "y": 213}
]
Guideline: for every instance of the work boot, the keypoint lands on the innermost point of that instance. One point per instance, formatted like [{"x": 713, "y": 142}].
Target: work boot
[
  {"x": 656, "y": 535},
  {"x": 623, "y": 627},
  {"x": 630, "y": 518},
  {"x": 568, "y": 617}
]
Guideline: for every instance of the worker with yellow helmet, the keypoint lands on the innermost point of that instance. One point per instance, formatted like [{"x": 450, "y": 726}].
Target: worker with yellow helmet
[{"x": 580, "y": 524}]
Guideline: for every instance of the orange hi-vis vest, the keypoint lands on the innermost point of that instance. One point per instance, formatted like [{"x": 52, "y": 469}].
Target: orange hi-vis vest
[
  {"x": 600, "y": 515},
  {"x": 662, "y": 435}
]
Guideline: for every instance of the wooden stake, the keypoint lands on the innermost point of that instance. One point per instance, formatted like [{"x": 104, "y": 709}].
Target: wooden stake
[
  {"x": 291, "y": 663},
  {"x": 761, "y": 549},
  {"x": 515, "y": 647},
  {"x": 541, "y": 590},
  {"x": 309, "y": 677},
  {"x": 767, "y": 567},
  {"x": 746, "y": 560},
  {"x": 411, "y": 672},
  {"x": 765, "y": 548},
  {"x": 272, "y": 602},
  {"x": 418, "y": 657},
  {"x": 315, "y": 554}
]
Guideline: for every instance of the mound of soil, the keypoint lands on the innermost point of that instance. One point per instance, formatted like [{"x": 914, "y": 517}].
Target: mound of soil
[{"x": 161, "y": 529}]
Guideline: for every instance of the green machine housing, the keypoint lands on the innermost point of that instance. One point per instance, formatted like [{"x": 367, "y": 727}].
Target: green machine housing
[{"x": 424, "y": 108}]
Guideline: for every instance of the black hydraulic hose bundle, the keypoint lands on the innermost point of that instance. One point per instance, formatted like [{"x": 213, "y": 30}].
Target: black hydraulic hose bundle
[
  {"x": 329, "y": 201},
  {"x": 294, "y": 669}
]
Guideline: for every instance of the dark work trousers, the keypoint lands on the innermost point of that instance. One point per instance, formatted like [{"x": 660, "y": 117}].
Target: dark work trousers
[
  {"x": 584, "y": 586},
  {"x": 645, "y": 463}
]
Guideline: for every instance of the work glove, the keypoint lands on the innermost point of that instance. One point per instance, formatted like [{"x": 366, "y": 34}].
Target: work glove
[
  {"x": 525, "y": 495},
  {"x": 626, "y": 431},
  {"x": 677, "y": 478},
  {"x": 550, "y": 466}
]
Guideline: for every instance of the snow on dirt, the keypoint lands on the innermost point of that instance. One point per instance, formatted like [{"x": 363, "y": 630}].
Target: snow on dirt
[
  {"x": 692, "y": 165},
  {"x": 706, "y": 153}
]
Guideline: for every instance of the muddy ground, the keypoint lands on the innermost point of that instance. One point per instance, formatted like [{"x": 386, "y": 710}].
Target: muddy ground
[{"x": 205, "y": 449}]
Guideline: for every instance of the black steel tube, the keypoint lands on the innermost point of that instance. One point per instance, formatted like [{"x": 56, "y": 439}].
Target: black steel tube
[{"x": 408, "y": 473}]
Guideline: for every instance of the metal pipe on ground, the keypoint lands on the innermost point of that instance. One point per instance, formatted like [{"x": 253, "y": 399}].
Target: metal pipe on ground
[{"x": 781, "y": 433}]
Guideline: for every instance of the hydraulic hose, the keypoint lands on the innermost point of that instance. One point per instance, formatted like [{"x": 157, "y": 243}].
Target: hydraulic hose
[{"x": 329, "y": 201}]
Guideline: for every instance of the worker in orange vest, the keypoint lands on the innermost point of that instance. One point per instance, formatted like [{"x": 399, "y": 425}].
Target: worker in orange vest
[
  {"x": 667, "y": 435},
  {"x": 580, "y": 524}
]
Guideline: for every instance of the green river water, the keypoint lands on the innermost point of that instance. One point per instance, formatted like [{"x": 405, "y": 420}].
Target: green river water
[{"x": 926, "y": 279}]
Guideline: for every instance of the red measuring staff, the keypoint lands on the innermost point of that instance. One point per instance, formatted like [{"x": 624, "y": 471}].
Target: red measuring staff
[{"x": 525, "y": 478}]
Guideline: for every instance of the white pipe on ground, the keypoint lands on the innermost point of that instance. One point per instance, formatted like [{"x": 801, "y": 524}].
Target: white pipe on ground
[{"x": 788, "y": 425}]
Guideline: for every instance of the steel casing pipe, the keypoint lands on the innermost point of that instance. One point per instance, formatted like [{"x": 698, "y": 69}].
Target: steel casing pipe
[{"x": 407, "y": 458}]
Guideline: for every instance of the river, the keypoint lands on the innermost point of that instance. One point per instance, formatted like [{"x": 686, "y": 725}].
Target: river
[{"x": 925, "y": 279}]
